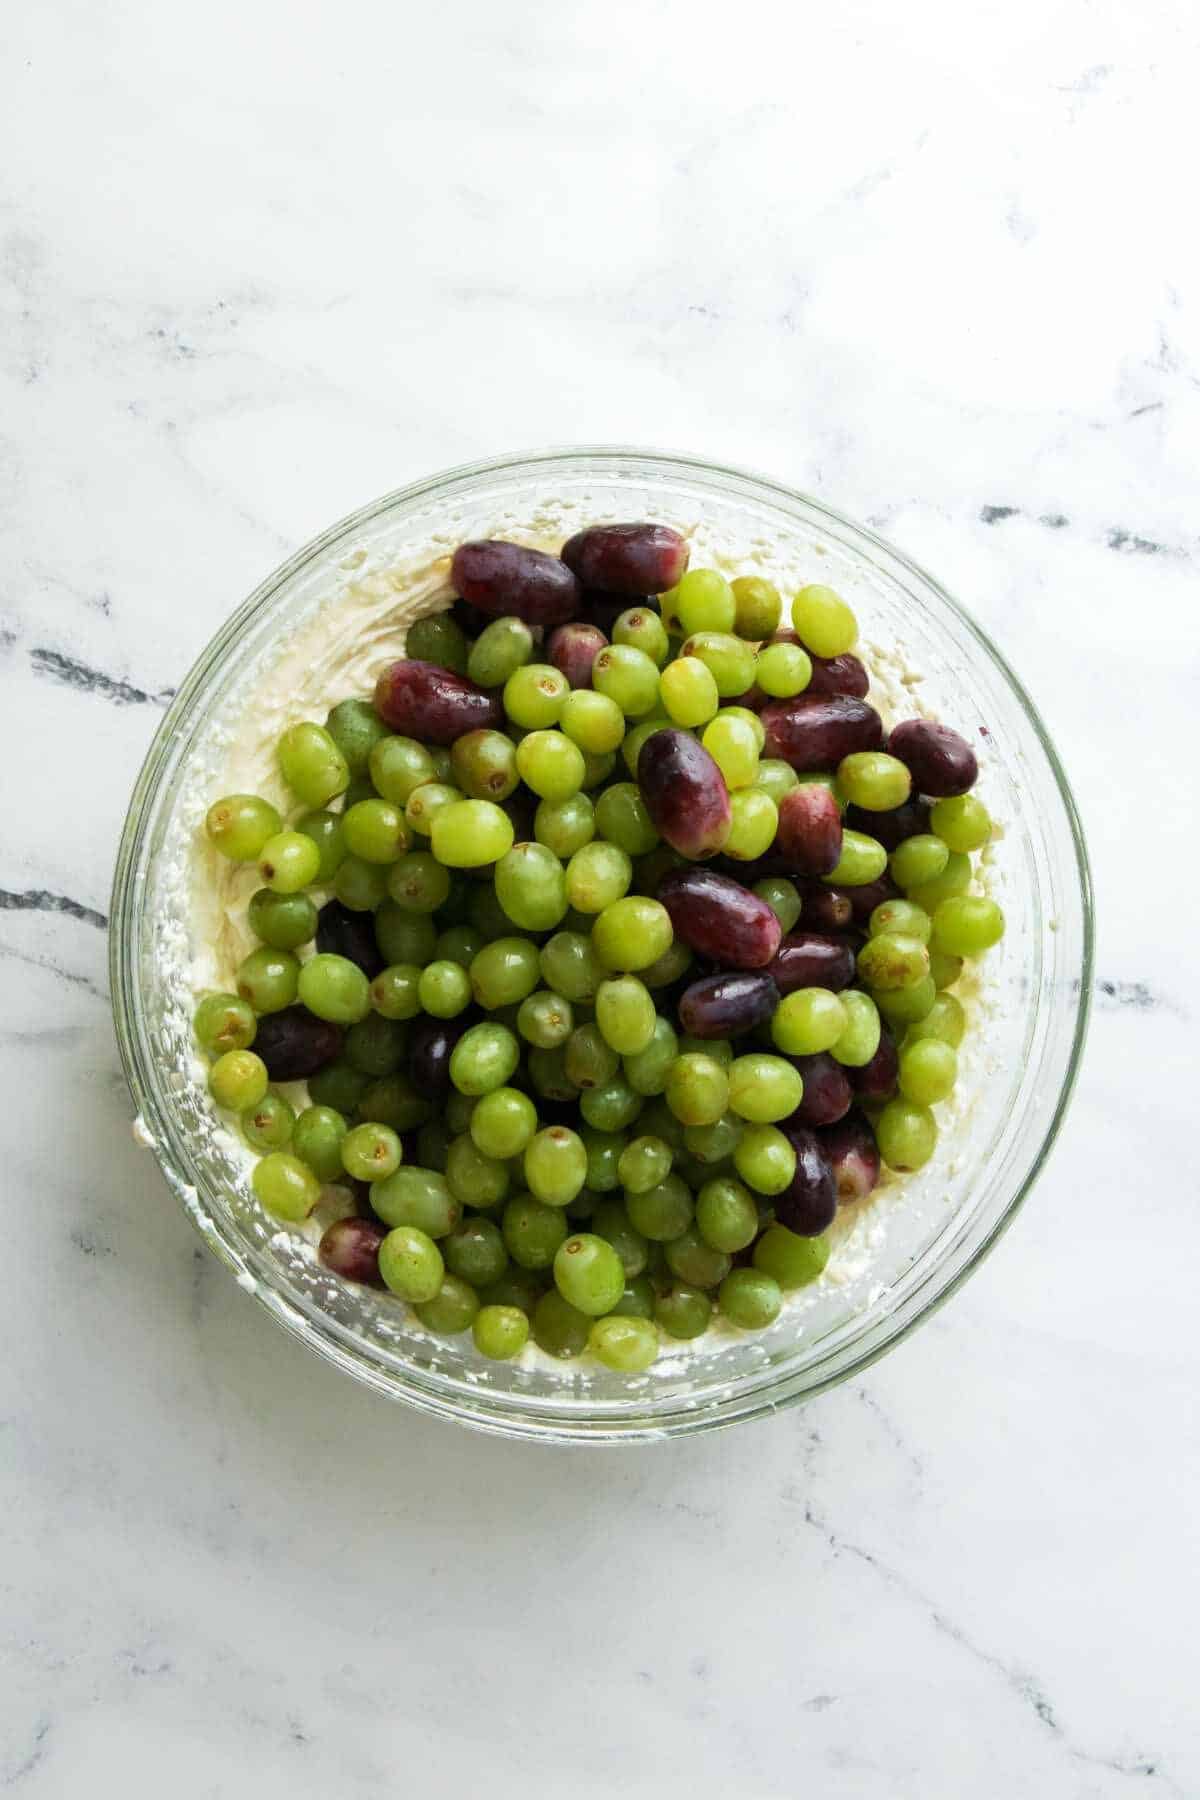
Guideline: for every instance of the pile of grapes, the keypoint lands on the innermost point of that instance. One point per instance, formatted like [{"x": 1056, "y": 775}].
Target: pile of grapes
[{"x": 624, "y": 958}]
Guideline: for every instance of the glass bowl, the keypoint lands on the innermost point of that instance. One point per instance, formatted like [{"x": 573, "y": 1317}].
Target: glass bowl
[{"x": 914, "y": 1241}]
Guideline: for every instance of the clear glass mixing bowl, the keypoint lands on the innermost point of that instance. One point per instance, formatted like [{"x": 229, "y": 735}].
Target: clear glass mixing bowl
[{"x": 923, "y": 1236}]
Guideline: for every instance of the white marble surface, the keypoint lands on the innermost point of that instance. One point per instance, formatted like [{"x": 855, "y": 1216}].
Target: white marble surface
[{"x": 259, "y": 263}]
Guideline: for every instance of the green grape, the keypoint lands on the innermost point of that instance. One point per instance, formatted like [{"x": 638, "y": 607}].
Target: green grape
[
  {"x": 361, "y": 788},
  {"x": 534, "y": 696},
  {"x": 338, "y": 1087},
  {"x": 404, "y": 937},
  {"x": 622, "y": 819},
  {"x": 559, "y": 1328},
  {"x": 637, "y": 1302},
  {"x": 750, "y": 1298},
  {"x": 719, "y": 1049},
  {"x": 503, "y": 1123},
  {"x": 438, "y": 638},
  {"x": 764, "y": 1089},
  {"x": 628, "y": 677},
  {"x": 362, "y": 886},
  {"x": 533, "y": 1232},
  {"x": 555, "y": 1165},
  {"x": 547, "y": 1070},
  {"x": 565, "y": 826},
  {"x": 485, "y": 765},
  {"x": 355, "y": 728},
  {"x": 289, "y": 861},
  {"x": 398, "y": 766},
  {"x": 597, "y": 875},
  {"x": 426, "y": 802},
  {"x": 458, "y": 943},
  {"x": 642, "y": 629},
  {"x": 325, "y": 830},
  {"x": 588, "y": 1058},
  {"x": 900, "y": 916},
  {"x": 238, "y": 1080},
  {"x": 411, "y": 1265},
  {"x": 375, "y": 831},
  {"x": 709, "y": 1144},
  {"x": 689, "y": 692},
  {"x": 945, "y": 970},
  {"x": 669, "y": 966},
  {"x": 593, "y": 722},
  {"x": 658, "y": 1120},
  {"x": 954, "y": 880},
  {"x": 371, "y": 1152},
  {"x": 750, "y": 718},
  {"x": 452, "y": 1309},
  {"x": 729, "y": 660},
  {"x": 759, "y": 607},
  {"x": 791, "y": 1260},
  {"x": 858, "y": 1039},
  {"x": 625, "y": 1014},
  {"x": 733, "y": 747},
  {"x": 808, "y": 1021},
  {"x": 726, "y": 1215},
  {"x": 764, "y": 1159},
  {"x": 917, "y": 860},
  {"x": 531, "y": 887},
  {"x": 906, "y": 1006},
  {"x": 504, "y": 971},
  {"x": 631, "y": 749},
  {"x": 521, "y": 1288},
  {"x": 907, "y": 1135},
  {"x": 775, "y": 778},
  {"x": 704, "y": 601},
  {"x": 928, "y": 1070},
  {"x": 475, "y": 1251},
  {"x": 484, "y": 1058},
  {"x": 444, "y": 989},
  {"x": 874, "y": 780},
  {"x": 598, "y": 765},
  {"x": 967, "y": 925},
  {"x": 417, "y": 1197},
  {"x": 417, "y": 882},
  {"x": 611, "y": 1107},
  {"x": 611, "y": 1222},
  {"x": 752, "y": 829},
  {"x": 891, "y": 961},
  {"x": 662, "y": 1212},
  {"x": 501, "y": 648},
  {"x": 782, "y": 897},
  {"x": 376, "y": 1045},
  {"x": 824, "y": 621},
  {"x": 500, "y": 1332},
  {"x": 697, "y": 1089},
  {"x": 945, "y": 1020},
  {"x": 643, "y": 1164},
  {"x": 693, "y": 1261},
  {"x": 317, "y": 1140},
  {"x": 458, "y": 1110},
  {"x": 588, "y": 1273},
  {"x": 632, "y": 933},
  {"x": 604, "y": 1150},
  {"x": 239, "y": 826},
  {"x": 335, "y": 988},
  {"x": 569, "y": 966},
  {"x": 545, "y": 1019},
  {"x": 268, "y": 979},
  {"x": 468, "y": 834},
  {"x": 646, "y": 1072},
  {"x": 962, "y": 823},
  {"x": 311, "y": 764},
  {"x": 284, "y": 921},
  {"x": 863, "y": 859},
  {"x": 550, "y": 764},
  {"x": 782, "y": 670},
  {"x": 394, "y": 1101},
  {"x": 625, "y": 1344},
  {"x": 475, "y": 1179},
  {"x": 285, "y": 1186},
  {"x": 683, "y": 1312},
  {"x": 224, "y": 1022}
]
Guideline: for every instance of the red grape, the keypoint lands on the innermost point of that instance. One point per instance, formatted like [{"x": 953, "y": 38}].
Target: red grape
[
  {"x": 350, "y": 1248},
  {"x": 828, "y": 1094},
  {"x": 814, "y": 731},
  {"x": 627, "y": 559},
  {"x": 940, "y": 761},
  {"x": 809, "y": 1206},
  {"x": 685, "y": 792},
  {"x": 852, "y": 1153},
  {"x": 839, "y": 675},
  {"x": 420, "y": 700},
  {"x": 295, "y": 1044},
  {"x": 810, "y": 959},
  {"x": 892, "y": 827},
  {"x": 719, "y": 918},
  {"x": 809, "y": 832},
  {"x": 720, "y": 1006},
  {"x": 507, "y": 580},
  {"x": 573, "y": 649}
]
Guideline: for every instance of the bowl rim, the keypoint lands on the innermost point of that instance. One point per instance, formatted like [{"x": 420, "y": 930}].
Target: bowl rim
[{"x": 125, "y": 913}]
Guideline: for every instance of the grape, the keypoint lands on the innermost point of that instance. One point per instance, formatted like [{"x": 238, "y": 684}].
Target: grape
[
  {"x": 444, "y": 989},
  {"x": 815, "y": 731},
  {"x": 458, "y": 943},
  {"x": 775, "y": 778},
  {"x": 224, "y": 1022},
  {"x": 733, "y": 746},
  {"x": 375, "y": 830},
  {"x": 728, "y": 660},
  {"x": 238, "y": 1080},
  {"x": 550, "y": 764},
  {"x": 504, "y": 972},
  {"x": 962, "y": 822},
  {"x": 535, "y": 695},
  {"x": 432, "y": 705},
  {"x": 311, "y": 764},
  {"x": 945, "y": 1019},
  {"x": 350, "y": 1247},
  {"x": 500, "y": 1332},
  {"x": 452, "y": 1309},
  {"x": 689, "y": 691},
  {"x": 839, "y": 675},
  {"x": 570, "y": 967},
  {"x": 335, "y": 989},
  {"x": 503, "y": 1123},
  {"x": 284, "y": 921},
  {"x": 285, "y": 1186},
  {"x": 683, "y": 1312},
  {"x": 675, "y": 961},
  {"x": 643, "y": 1164},
  {"x": 573, "y": 649},
  {"x": 475, "y": 1250},
  {"x": 430, "y": 1146},
  {"x": 402, "y": 937},
  {"x": 355, "y": 728},
  {"x": 721, "y": 1006},
  {"x": 588, "y": 1274},
  {"x": 807, "y": 959},
  {"x": 810, "y": 830},
  {"x": 893, "y": 824},
  {"x": 628, "y": 677},
  {"x": 289, "y": 861},
  {"x": 750, "y": 719},
  {"x": 621, "y": 817},
  {"x": 750, "y": 1298},
  {"x": 860, "y": 1038},
  {"x": 874, "y": 781},
  {"x": 693, "y": 1261},
  {"x": 399, "y": 766},
  {"x": 325, "y": 830},
  {"x": 697, "y": 1089},
  {"x": 783, "y": 897},
  {"x": 720, "y": 918},
  {"x": 627, "y": 559},
  {"x": 411, "y": 1264},
  {"x": 763, "y": 1089},
  {"x": 317, "y": 1140},
  {"x": 418, "y": 1198},
  {"x": 501, "y": 579},
  {"x": 758, "y": 607},
  {"x": 862, "y": 861},
  {"x": 631, "y": 933},
  {"x": 484, "y": 1058},
  {"x": 593, "y": 721},
  {"x": 555, "y": 1165},
  {"x": 531, "y": 887},
  {"x": 475, "y": 1180},
  {"x": 684, "y": 792},
  {"x": 793, "y": 1261},
  {"x": 240, "y": 824},
  {"x": 485, "y": 765},
  {"x": 470, "y": 834},
  {"x": 295, "y": 1044},
  {"x": 430, "y": 1046},
  {"x": 625, "y": 1344},
  {"x": 339, "y": 1086},
  {"x": 704, "y": 601},
  {"x": 808, "y": 1021},
  {"x": 827, "y": 1092},
  {"x": 501, "y": 647},
  {"x": 867, "y": 896},
  {"x": 589, "y": 1059},
  {"x": 611, "y": 1107},
  {"x": 533, "y": 1231},
  {"x": 809, "y": 1204},
  {"x": 641, "y": 628},
  {"x": 603, "y": 1158},
  {"x": 824, "y": 621},
  {"x": 919, "y": 859},
  {"x": 782, "y": 671},
  {"x": 928, "y": 1070},
  {"x": 765, "y": 1159},
  {"x": 371, "y": 1152},
  {"x": 850, "y": 1149},
  {"x": 360, "y": 886},
  {"x": 517, "y": 1287},
  {"x": 941, "y": 762},
  {"x": 907, "y": 1135},
  {"x": 874, "y": 1082},
  {"x": 565, "y": 826},
  {"x": 967, "y": 925},
  {"x": 646, "y": 1072},
  {"x": 437, "y": 638},
  {"x": 706, "y": 1145},
  {"x": 907, "y": 1006},
  {"x": 900, "y": 916},
  {"x": 611, "y": 1222},
  {"x": 726, "y": 1215},
  {"x": 892, "y": 960},
  {"x": 267, "y": 979},
  {"x": 825, "y": 909},
  {"x": 396, "y": 1101},
  {"x": 559, "y": 1328},
  {"x": 597, "y": 767},
  {"x": 597, "y": 875},
  {"x": 954, "y": 880}
]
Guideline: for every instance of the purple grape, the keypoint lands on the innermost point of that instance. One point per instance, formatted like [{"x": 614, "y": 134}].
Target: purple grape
[
  {"x": 573, "y": 649},
  {"x": 853, "y": 1155},
  {"x": 720, "y": 1006},
  {"x": 811, "y": 959},
  {"x": 430, "y": 1044},
  {"x": 627, "y": 559},
  {"x": 341, "y": 932},
  {"x": 814, "y": 732},
  {"x": 825, "y": 908},
  {"x": 839, "y": 675},
  {"x": 809, "y": 1206},
  {"x": 295, "y": 1044},
  {"x": 890, "y": 828},
  {"x": 720, "y": 918},
  {"x": 685, "y": 793},
  {"x": 350, "y": 1248},
  {"x": 828, "y": 1095},
  {"x": 753, "y": 699},
  {"x": 875, "y": 1081},
  {"x": 420, "y": 700},
  {"x": 940, "y": 762},
  {"x": 469, "y": 619},
  {"x": 809, "y": 832},
  {"x": 864, "y": 899},
  {"x": 507, "y": 580}
]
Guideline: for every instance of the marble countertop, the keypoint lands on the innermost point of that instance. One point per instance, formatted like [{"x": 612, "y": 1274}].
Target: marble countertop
[{"x": 930, "y": 263}]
